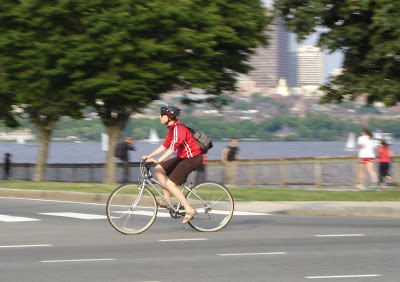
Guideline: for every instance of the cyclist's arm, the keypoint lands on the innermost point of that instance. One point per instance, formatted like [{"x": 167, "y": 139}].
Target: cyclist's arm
[
  {"x": 156, "y": 152},
  {"x": 166, "y": 155}
]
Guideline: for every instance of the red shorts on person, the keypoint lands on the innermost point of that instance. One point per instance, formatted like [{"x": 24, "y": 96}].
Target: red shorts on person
[{"x": 366, "y": 160}]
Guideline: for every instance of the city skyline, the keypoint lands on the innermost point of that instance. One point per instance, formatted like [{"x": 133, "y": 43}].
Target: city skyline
[{"x": 332, "y": 61}]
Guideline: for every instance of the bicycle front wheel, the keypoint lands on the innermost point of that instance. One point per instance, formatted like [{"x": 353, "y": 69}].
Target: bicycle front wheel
[
  {"x": 131, "y": 209},
  {"x": 214, "y": 205}
]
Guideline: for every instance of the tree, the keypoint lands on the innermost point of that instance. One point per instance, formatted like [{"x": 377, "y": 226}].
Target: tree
[
  {"x": 366, "y": 32},
  {"x": 118, "y": 56},
  {"x": 133, "y": 51},
  {"x": 6, "y": 102},
  {"x": 32, "y": 49}
]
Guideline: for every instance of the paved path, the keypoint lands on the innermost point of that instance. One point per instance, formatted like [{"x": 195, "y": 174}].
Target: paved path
[{"x": 376, "y": 209}]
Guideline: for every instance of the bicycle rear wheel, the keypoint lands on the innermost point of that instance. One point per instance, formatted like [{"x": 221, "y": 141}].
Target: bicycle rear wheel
[
  {"x": 127, "y": 212},
  {"x": 214, "y": 205}
]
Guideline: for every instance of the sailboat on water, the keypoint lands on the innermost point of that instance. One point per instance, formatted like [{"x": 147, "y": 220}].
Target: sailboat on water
[
  {"x": 351, "y": 142},
  {"x": 20, "y": 140},
  {"x": 153, "y": 137}
]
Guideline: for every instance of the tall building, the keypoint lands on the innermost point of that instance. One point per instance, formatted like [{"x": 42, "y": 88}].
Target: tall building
[
  {"x": 272, "y": 63},
  {"x": 292, "y": 71},
  {"x": 310, "y": 66}
]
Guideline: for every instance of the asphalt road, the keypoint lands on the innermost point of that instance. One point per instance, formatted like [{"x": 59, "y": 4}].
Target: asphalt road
[{"x": 65, "y": 241}]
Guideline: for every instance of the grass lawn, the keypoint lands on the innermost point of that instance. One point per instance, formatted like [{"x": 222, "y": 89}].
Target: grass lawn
[{"x": 239, "y": 194}]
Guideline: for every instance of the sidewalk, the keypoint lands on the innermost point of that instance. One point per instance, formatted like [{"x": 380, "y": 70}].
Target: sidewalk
[{"x": 373, "y": 209}]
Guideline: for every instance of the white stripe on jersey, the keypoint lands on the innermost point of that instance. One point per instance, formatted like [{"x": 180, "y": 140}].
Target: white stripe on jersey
[
  {"x": 188, "y": 151},
  {"x": 174, "y": 139}
]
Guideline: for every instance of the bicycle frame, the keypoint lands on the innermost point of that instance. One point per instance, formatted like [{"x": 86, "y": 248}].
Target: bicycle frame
[
  {"x": 132, "y": 208},
  {"x": 147, "y": 179}
]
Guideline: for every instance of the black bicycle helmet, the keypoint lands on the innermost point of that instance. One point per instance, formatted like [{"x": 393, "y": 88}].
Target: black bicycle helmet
[{"x": 171, "y": 110}]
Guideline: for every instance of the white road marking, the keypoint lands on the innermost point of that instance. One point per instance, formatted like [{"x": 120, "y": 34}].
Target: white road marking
[
  {"x": 340, "y": 235},
  {"x": 26, "y": 246},
  {"x": 343, "y": 276},
  {"x": 100, "y": 204},
  {"x": 10, "y": 218},
  {"x": 253, "y": 254},
  {"x": 180, "y": 240},
  {"x": 141, "y": 212},
  {"x": 75, "y": 215},
  {"x": 249, "y": 213},
  {"x": 78, "y": 260},
  {"x": 163, "y": 214},
  {"x": 55, "y": 201}
]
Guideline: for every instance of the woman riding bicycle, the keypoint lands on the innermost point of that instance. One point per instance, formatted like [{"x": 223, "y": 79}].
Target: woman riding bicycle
[{"x": 188, "y": 158}]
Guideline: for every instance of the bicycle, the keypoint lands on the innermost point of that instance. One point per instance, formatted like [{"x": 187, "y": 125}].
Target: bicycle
[{"x": 132, "y": 208}]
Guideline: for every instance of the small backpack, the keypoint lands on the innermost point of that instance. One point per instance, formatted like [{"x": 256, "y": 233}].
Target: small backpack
[{"x": 204, "y": 142}]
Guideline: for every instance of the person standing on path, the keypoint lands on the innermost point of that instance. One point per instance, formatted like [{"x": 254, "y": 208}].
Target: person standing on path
[
  {"x": 121, "y": 152},
  {"x": 7, "y": 166},
  {"x": 366, "y": 155},
  {"x": 229, "y": 158},
  {"x": 384, "y": 156}
]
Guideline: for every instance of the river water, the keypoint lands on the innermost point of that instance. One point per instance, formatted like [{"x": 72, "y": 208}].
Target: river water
[{"x": 91, "y": 152}]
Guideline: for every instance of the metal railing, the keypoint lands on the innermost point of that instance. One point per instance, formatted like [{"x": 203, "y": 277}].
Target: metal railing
[{"x": 315, "y": 172}]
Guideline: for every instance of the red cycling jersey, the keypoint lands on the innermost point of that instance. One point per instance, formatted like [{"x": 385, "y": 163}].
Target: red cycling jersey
[{"x": 181, "y": 139}]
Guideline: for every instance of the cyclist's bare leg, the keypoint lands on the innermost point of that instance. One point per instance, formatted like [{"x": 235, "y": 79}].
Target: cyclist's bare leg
[
  {"x": 181, "y": 198},
  {"x": 162, "y": 178}
]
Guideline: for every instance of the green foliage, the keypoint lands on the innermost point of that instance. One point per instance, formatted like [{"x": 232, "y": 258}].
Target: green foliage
[
  {"x": 123, "y": 53},
  {"x": 366, "y": 32},
  {"x": 239, "y": 194},
  {"x": 315, "y": 127},
  {"x": 118, "y": 56},
  {"x": 258, "y": 98},
  {"x": 6, "y": 102}
]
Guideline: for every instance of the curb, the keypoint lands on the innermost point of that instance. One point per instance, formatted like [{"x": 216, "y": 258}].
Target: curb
[{"x": 345, "y": 211}]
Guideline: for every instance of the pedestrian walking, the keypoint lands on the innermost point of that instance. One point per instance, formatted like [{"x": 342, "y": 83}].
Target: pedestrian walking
[
  {"x": 121, "y": 152},
  {"x": 384, "y": 156},
  {"x": 366, "y": 155},
  {"x": 229, "y": 158},
  {"x": 7, "y": 166}
]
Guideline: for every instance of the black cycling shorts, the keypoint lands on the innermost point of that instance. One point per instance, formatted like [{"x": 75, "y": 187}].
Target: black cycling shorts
[{"x": 178, "y": 170}]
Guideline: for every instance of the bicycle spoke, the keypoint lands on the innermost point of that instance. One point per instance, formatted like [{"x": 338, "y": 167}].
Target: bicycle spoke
[{"x": 214, "y": 206}]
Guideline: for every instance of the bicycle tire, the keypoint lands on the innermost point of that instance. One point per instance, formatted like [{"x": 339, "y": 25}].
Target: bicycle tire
[
  {"x": 216, "y": 212},
  {"x": 128, "y": 219}
]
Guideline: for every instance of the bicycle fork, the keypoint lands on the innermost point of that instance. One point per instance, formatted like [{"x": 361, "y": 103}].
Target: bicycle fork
[{"x": 141, "y": 188}]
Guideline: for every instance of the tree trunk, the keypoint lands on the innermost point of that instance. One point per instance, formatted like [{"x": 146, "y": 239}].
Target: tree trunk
[
  {"x": 40, "y": 166},
  {"x": 114, "y": 125},
  {"x": 110, "y": 169}
]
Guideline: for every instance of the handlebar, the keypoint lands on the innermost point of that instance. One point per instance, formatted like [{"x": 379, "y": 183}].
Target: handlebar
[{"x": 145, "y": 170}]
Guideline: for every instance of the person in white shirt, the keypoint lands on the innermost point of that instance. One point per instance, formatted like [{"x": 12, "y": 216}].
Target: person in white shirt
[{"x": 366, "y": 155}]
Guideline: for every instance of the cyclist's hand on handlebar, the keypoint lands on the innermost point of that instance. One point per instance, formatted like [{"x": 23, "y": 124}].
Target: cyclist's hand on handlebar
[{"x": 148, "y": 160}]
